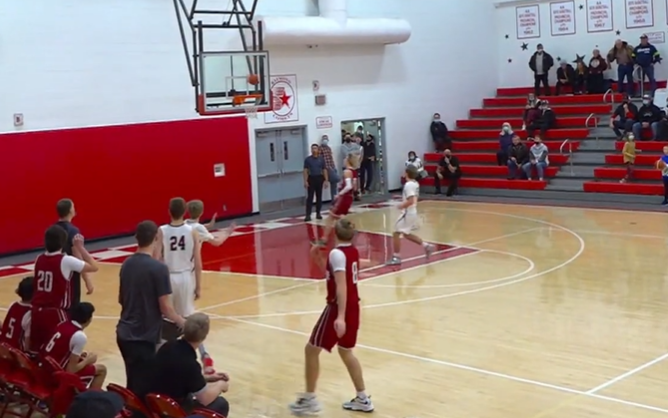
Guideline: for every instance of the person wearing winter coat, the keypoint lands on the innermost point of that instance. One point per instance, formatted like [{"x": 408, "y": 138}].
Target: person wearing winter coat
[
  {"x": 649, "y": 116},
  {"x": 538, "y": 159},
  {"x": 596, "y": 79},
  {"x": 623, "y": 53},
  {"x": 540, "y": 63},
  {"x": 505, "y": 142},
  {"x": 518, "y": 155},
  {"x": 565, "y": 76},
  {"x": 646, "y": 55}
]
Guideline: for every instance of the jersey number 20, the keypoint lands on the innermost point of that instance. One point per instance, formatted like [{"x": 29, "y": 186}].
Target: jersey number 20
[
  {"x": 44, "y": 281},
  {"x": 177, "y": 243}
]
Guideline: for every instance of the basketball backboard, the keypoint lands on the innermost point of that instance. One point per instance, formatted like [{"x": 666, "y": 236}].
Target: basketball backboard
[{"x": 233, "y": 82}]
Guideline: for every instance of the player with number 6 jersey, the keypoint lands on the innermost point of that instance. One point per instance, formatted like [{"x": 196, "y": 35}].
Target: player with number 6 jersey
[
  {"x": 16, "y": 326},
  {"x": 52, "y": 288},
  {"x": 338, "y": 324}
]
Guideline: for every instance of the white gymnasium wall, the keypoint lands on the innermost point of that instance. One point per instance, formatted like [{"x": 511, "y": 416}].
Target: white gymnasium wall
[
  {"x": 70, "y": 63},
  {"x": 517, "y": 72}
]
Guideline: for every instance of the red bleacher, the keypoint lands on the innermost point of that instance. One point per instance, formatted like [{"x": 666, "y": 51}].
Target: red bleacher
[
  {"x": 490, "y": 145},
  {"x": 494, "y": 134},
  {"x": 523, "y": 91},
  {"x": 554, "y": 100},
  {"x": 565, "y": 122},
  {"x": 514, "y": 112}
]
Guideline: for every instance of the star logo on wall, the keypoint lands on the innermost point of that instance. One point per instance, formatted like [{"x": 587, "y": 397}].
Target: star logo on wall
[
  {"x": 507, "y": 36},
  {"x": 579, "y": 58},
  {"x": 524, "y": 46},
  {"x": 558, "y": 59},
  {"x": 510, "y": 60},
  {"x": 619, "y": 32},
  {"x": 285, "y": 100},
  {"x": 581, "y": 7}
]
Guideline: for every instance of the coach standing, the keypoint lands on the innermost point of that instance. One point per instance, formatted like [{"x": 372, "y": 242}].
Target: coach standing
[
  {"x": 315, "y": 177},
  {"x": 66, "y": 212},
  {"x": 144, "y": 295}
]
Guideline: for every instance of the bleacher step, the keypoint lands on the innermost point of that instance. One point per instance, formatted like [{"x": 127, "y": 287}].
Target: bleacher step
[
  {"x": 578, "y": 197},
  {"x": 589, "y": 158},
  {"x": 564, "y": 184},
  {"x": 575, "y": 171},
  {"x": 603, "y": 145}
]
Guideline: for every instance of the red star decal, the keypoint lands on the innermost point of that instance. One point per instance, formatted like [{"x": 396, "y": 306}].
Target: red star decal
[{"x": 285, "y": 100}]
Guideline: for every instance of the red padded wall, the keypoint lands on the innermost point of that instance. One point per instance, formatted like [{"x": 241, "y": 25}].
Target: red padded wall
[{"x": 119, "y": 175}]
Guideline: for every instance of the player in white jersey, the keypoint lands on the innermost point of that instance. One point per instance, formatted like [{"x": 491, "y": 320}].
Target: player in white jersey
[
  {"x": 179, "y": 246},
  {"x": 195, "y": 211},
  {"x": 408, "y": 221}
]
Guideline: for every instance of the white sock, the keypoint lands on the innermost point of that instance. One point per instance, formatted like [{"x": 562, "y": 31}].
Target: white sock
[
  {"x": 425, "y": 244},
  {"x": 396, "y": 255},
  {"x": 202, "y": 351},
  {"x": 309, "y": 395},
  {"x": 362, "y": 395}
]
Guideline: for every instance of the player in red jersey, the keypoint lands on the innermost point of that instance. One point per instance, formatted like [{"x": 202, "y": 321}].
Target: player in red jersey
[
  {"x": 16, "y": 326},
  {"x": 343, "y": 199},
  {"x": 338, "y": 324},
  {"x": 52, "y": 290},
  {"x": 66, "y": 347}
]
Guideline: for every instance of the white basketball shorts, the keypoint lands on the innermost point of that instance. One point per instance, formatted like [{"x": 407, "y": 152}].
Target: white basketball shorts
[
  {"x": 183, "y": 292},
  {"x": 407, "y": 223}
]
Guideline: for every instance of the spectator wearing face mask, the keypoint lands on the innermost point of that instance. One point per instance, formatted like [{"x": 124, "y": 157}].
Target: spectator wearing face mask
[
  {"x": 439, "y": 133},
  {"x": 352, "y": 146},
  {"x": 540, "y": 63},
  {"x": 623, "y": 53},
  {"x": 646, "y": 55},
  {"x": 546, "y": 119},
  {"x": 623, "y": 118},
  {"x": 629, "y": 155},
  {"x": 597, "y": 66},
  {"x": 448, "y": 168},
  {"x": 416, "y": 162},
  {"x": 649, "y": 116},
  {"x": 565, "y": 77},
  {"x": 505, "y": 142},
  {"x": 368, "y": 163},
  {"x": 518, "y": 155},
  {"x": 530, "y": 107},
  {"x": 538, "y": 159},
  {"x": 327, "y": 155}
]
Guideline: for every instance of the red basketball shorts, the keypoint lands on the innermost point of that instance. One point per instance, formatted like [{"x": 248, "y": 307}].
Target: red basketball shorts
[
  {"x": 87, "y": 374},
  {"x": 342, "y": 206},
  {"x": 43, "y": 323},
  {"x": 324, "y": 334}
]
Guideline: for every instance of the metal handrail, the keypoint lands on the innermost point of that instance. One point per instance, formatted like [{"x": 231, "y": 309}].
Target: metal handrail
[
  {"x": 595, "y": 119},
  {"x": 639, "y": 74},
  {"x": 570, "y": 153},
  {"x": 612, "y": 97}
]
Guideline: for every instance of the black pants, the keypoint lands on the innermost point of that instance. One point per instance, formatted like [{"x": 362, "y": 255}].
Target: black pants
[
  {"x": 537, "y": 80},
  {"x": 366, "y": 175},
  {"x": 138, "y": 357},
  {"x": 580, "y": 84},
  {"x": 453, "y": 182},
  {"x": 665, "y": 190},
  {"x": 560, "y": 85},
  {"x": 502, "y": 157},
  {"x": 541, "y": 126},
  {"x": 315, "y": 184},
  {"x": 219, "y": 405},
  {"x": 595, "y": 84},
  {"x": 76, "y": 288}
]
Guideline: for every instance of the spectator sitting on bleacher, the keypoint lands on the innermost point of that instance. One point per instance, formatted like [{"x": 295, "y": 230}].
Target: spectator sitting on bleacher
[
  {"x": 649, "y": 116},
  {"x": 518, "y": 155},
  {"x": 448, "y": 168},
  {"x": 537, "y": 158},
  {"x": 505, "y": 142},
  {"x": 624, "y": 117},
  {"x": 546, "y": 120},
  {"x": 662, "y": 132},
  {"x": 439, "y": 133},
  {"x": 416, "y": 162},
  {"x": 565, "y": 76},
  {"x": 629, "y": 155},
  {"x": 580, "y": 83},
  {"x": 597, "y": 66},
  {"x": 531, "y": 107}
]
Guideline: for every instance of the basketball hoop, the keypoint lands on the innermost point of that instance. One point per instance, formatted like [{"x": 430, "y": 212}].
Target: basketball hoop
[{"x": 251, "y": 112}]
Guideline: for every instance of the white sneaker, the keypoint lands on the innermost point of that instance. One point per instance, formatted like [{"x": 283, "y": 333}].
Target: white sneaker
[
  {"x": 394, "y": 261},
  {"x": 305, "y": 406},
  {"x": 428, "y": 250},
  {"x": 359, "y": 405}
]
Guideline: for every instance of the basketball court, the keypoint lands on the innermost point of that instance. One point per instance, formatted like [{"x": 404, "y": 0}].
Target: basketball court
[{"x": 523, "y": 311}]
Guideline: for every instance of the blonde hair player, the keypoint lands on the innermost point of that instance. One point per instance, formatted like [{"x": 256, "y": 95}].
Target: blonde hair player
[
  {"x": 408, "y": 221},
  {"x": 195, "y": 211},
  {"x": 338, "y": 324},
  {"x": 343, "y": 199},
  {"x": 180, "y": 248}
]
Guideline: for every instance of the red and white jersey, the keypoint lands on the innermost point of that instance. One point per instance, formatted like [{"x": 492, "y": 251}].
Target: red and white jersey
[
  {"x": 353, "y": 184},
  {"x": 52, "y": 286},
  {"x": 16, "y": 326},
  {"x": 69, "y": 339},
  {"x": 344, "y": 258}
]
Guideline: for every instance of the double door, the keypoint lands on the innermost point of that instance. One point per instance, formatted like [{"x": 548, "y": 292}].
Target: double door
[{"x": 280, "y": 157}]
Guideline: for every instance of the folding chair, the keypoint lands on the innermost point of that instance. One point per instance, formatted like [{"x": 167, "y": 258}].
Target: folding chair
[
  {"x": 11, "y": 395},
  {"x": 164, "y": 406},
  {"x": 63, "y": 386},
  {"x": 206, "y": 413},
  {"x": 29, "y": 378},
  {"x": 132, "y": 403}
]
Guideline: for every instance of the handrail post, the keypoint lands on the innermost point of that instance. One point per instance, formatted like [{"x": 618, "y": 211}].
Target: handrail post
[{"x": 570, "y": 157}]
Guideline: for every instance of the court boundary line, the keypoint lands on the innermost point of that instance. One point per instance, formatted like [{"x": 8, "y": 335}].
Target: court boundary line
[
  {"x": 464, "y": 367},
  {"x": 627, "y": 374}
]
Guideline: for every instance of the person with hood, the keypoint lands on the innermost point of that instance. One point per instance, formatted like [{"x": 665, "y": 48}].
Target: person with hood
[
  {"x": 649, "y": 116},
  {"x": 439, "y": 133},
  {"x": 580, "y": 83},
  {"x": 505, "y": 142},
  {"x": 537, "y": 158},
  {"x": 597, "y": 66},
  {"x": 532, "y": 104},
  {"x": 546, "y": 120},
  {"x": 540, "y": 63},
  {"x": 646, "y": 55},
  {"x": 623, "y": 53},
  {"x": 565, "y": 77},
  {"x": 623, "y": 118},
  {"x": 518, "y": 155},
  {"x": 415, "y": 161}
]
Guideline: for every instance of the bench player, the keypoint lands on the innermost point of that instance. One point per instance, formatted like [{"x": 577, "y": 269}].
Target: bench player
[
  {"x": 408, "y": 221},
  {"x": 195, "y": 211},
  {"x": 52, "y": 289},
  {"x": 16, "y": 326},
  {"x": 66, "y": 347},
  {"x": 180, "y": 247},
  {"x": 338, "y": 324},
  {"x": 343, "y": 199}
]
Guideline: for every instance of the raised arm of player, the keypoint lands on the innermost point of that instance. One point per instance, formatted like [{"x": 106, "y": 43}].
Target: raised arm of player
[
  {"x": 212, "y": 223},
  {"x": 90, "y": 265},
  {"x": 337, "y": 262},
  {"x": 217, "y": 239},
  {"x": 158, "y": 247},
  {"x": 197, "y": 258}
]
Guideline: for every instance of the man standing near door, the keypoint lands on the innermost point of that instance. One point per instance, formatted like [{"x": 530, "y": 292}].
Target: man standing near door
[
  {"x": 367, "y": 167},
  {"x": 315, "y": 177}
]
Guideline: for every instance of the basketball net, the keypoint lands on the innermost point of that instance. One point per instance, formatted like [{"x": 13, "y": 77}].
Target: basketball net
[{"x": 251, "y": 112}]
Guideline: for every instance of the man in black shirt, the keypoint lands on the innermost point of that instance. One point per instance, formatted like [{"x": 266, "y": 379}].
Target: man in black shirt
[
  {"x": 179, "y": 375},
  {"x": 144, "y": 295},
  {"x": 315, "y": 177},
  {"x": 367, "y": 166},
  {"x": 66, "y": 212},
  {"x": 448, "y": 168}
]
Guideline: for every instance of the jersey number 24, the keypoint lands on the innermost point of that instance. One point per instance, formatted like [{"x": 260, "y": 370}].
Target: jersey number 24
[{"x": 177, "y": 243}]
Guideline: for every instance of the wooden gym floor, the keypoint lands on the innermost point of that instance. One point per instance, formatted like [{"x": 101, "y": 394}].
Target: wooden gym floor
[{"x": 526, "y": 312}]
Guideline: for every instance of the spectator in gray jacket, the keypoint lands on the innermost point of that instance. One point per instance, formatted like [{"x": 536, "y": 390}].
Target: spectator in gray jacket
[
  {"x": 351, "y": 146},
  {"x": 537, "y": 158}
]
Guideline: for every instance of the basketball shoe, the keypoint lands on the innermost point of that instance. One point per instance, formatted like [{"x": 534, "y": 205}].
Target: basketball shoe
[
  {"x": 359, "y": 405},
  {"x": 305, "y": 405}
]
